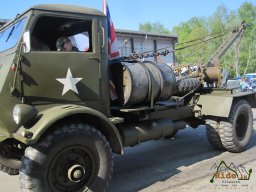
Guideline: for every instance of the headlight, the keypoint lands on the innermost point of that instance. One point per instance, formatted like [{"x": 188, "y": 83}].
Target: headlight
[{"x": 23, "y": 113}]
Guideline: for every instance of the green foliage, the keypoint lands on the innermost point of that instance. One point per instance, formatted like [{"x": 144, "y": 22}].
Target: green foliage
[
  {"x": 192, "y": 29},
  {"x": 240, "y": 58},
  {"x": 247, "y": 13},
  {"x": 155, "y": 27}
]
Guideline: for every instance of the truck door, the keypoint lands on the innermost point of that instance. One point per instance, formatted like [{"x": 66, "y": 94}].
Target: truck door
[{"x": 52, "y": 75}]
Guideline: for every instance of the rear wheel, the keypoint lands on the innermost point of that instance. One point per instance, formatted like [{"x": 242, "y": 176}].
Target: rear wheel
[
  {"x": 212, "y": 132},
  {"x": 75, "y": 157},
  {"x": 236, "y": 130}
]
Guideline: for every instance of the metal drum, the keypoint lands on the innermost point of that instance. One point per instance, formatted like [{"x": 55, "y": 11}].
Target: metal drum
[
  {"x": 142, "y": 81},
  {"x": 155, "y": 79},
  {"x": 168, "y": 82},
  {"x": 163, "y": 80},
  {"x": 136, "y": 80}
]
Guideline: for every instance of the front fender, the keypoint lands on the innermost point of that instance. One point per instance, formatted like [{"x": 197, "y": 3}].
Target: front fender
[{"x": 30, "y": 135}]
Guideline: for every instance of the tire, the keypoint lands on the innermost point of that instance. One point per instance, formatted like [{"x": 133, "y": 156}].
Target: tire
[
  {"x": 212, "y": 133},
  {"x": 236, "y": 130},
  {"x": 186, "y": 85},
  {"x": 10, "y": 158},
  {"x": 74, "y": 158}
]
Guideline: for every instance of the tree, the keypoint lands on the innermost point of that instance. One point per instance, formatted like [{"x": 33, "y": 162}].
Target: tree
[
  {"x": 193, "y": 29},
  {"x": 220, "y": 21},
  {"x": 247, "y": 13},
  {"x": 155, "y": 27},
  {"x": 241, "y": 56}
]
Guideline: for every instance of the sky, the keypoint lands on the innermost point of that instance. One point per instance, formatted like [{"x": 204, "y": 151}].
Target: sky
[{"x": 128, "y": 14}]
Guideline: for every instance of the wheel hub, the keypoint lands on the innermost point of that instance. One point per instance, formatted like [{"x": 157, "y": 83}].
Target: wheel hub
[
  {"x": 76, "y": 173},
  {"x": 72, "y": 169}
]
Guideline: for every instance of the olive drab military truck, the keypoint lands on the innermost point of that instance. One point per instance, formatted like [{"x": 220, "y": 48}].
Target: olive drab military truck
[{"x": 58, "y": 125}]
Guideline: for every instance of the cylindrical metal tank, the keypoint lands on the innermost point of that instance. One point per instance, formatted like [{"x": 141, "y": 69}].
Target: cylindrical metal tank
[
  {"x": 141, "y": 81},
  {"x": 168, "y": 82},
  {"x": 135, "y": 133},
  {"x": 155, "y": 77},
  {"x": 136, "y": 80}
]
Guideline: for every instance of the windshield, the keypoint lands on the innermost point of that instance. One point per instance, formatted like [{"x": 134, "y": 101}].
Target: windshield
[{"x": 10, "y": 36}]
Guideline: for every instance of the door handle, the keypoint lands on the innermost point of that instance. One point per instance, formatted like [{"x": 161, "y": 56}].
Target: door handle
[
  {"x": 95, "y": 58},
  {"x": 103, "y": 37}
]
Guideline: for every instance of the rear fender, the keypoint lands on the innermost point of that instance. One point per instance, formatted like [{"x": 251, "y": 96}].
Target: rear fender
[{"x": 220, "y": 105}]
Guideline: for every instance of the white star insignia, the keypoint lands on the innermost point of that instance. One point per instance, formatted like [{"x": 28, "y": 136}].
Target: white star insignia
[{"x": 69, "y": 83}]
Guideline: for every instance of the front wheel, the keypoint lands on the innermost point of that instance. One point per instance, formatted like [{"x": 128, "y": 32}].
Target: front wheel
[
  {"x": 236, "y": 130},
  {"x": 74, "y": 158}
]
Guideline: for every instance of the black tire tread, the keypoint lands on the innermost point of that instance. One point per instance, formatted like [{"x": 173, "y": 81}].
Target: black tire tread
[
  {"x": 8, "y": 165},
  {"x": 26, "y": 182},
  {"x": 226, "y": 131},
  {"x": 8, "y": 170},
  {"x": 212, "y": 133},
  {"x": 186, "y": 85}
]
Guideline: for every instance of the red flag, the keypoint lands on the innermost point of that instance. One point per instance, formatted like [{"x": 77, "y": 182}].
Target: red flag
[{"x": 113, "y": 47}]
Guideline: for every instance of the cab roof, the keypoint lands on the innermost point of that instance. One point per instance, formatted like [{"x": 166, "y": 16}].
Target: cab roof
[
  {"x": 67, "y": 8},
  {"x": 59, "y": 8}
]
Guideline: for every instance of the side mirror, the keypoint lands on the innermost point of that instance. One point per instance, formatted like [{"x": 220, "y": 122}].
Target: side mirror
[{"x": 26, "y": 42}]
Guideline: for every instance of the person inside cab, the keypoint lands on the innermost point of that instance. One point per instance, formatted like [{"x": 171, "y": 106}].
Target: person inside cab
[{"x": 64, "y": 44}]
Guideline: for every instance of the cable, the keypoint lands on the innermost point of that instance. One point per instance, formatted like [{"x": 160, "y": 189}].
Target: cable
[
  {"x": 213, "y": 34},
  {"x": 156, "y": 52}
]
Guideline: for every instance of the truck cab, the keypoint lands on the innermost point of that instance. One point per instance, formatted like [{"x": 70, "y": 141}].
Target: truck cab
[{"x": 46, "y": 78}]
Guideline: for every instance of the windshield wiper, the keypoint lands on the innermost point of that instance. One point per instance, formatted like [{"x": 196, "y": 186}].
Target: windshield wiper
[{"x": 10, "y": 33}]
